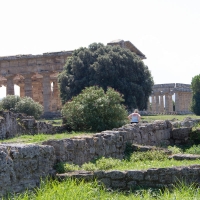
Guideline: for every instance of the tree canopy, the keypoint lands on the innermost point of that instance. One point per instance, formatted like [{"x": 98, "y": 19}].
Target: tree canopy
[
  {"x": 195, "y": 85},
  {"x": 107, "y": 66}
]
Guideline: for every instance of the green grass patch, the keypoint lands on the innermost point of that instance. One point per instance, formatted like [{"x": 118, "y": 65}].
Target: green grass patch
[
  {"x": 76, "y": 190},
  {"x": 137, "y": 161},
  {"x": 167, "y": 117},
  {"x": 39, "y": 138}
]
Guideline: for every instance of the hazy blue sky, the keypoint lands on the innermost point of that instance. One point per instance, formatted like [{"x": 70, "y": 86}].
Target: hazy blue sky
[{"x": 166, "y": 31}]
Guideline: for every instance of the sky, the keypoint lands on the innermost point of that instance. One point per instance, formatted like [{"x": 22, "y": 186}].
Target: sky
[{"x": 166, "y": 31}]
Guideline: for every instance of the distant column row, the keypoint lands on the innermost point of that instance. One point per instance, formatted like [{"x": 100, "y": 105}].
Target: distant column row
[{"x": 163, "y": 102}]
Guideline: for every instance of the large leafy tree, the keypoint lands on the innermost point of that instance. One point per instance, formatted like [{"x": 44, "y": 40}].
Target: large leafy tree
[
  {"x": 195, "y": 85},
  {"x": 107, "y": 66}
]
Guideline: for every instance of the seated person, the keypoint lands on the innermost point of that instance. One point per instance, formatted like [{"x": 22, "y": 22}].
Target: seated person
[{"x": 134, "y": 117}]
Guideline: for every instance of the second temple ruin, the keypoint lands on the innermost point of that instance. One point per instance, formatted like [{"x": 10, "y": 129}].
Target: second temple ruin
[{"x": 163, "y": 95}]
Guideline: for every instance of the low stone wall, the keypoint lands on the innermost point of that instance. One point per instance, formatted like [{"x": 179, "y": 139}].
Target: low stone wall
[
  {"x": 155, "y": 177},
  {"x": 79, "y": 150},
  {"x": 22, "y": 166}
]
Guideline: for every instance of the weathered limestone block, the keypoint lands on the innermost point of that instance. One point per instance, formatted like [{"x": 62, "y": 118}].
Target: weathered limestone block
[
  {"x": 151, "y": 175},
  {"x": 43, "y": 127},
  {"x": 22, "y": 166},
  {"x": 8, "y": 125},
  {"x": 188, "y": 122},
  {"x": 142, "y": 148},
  {"x": 135, "y": 175},
  {"x": 184, "y": 157},
  {"x": 181, "y": 135}
]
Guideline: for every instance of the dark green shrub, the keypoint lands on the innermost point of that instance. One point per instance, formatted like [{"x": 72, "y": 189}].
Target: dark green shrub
[{"x": 96, "y": 110}]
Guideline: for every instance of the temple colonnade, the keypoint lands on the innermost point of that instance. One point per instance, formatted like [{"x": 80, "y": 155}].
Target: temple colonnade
[{"x": 163, "y": 95}]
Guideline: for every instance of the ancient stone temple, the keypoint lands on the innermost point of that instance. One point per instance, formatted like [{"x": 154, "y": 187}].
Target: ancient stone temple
[
  {"x": 163, "y": 95},
  {"x": 36, "y": 75}
]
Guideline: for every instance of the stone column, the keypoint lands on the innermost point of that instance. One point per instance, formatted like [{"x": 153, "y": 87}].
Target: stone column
[
  {"x": 10, "y": 85},
  {"x": 46, "y": 92},
  {"x": 180, "y": 101},
  {"x": 161, "y": 103},
  {"x": 177, "y": 102},
  {"x": 184, "y": 101},
  {"x": 153, "y": 103},
  {"x": 170, "y": 103},
  {"x": 166, "y": 103},
  {"x": 21, "y": 89},
  {"x": 157, "y": 103},
  {"x": 148, "y": 106},
  {"x": 37, "y": 90},
  {"x": 55, "y": 98},
  {"x": 28, "y": 85}
]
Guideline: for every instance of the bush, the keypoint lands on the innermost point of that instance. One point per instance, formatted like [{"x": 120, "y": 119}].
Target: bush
[
  {"x": 195, "y": 149},
  {"x": 107, "y": 163},
  {"x": 174, "y": 149},
  {"x": 9, "y": 102},
  {"x": 23, "y": 105},
  {"x": 149, "y": 155},
  {"x": 28, "y": 106},
  {"x": 95, "y": 110}
]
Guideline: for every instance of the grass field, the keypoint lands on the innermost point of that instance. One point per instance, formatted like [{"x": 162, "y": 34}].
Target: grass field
[
  {"x": 136, "y": 161},
  {"x": 168, "y": 117},
  {"x": 39, "y": 138},
  {"x": 80, "y": 190}
]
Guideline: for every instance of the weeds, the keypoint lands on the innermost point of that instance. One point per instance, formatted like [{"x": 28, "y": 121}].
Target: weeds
[
  {"x": 175, "y": 149},
  {"x": 71, "y": 189}
]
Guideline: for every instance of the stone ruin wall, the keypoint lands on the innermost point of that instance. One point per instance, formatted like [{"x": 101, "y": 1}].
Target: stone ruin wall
[
  {"x": 15, "y": 124},
  {"x": 162, "y": 101},
  {"x": 22, "y": 165},
  {"x": 79, "y": 150}
]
